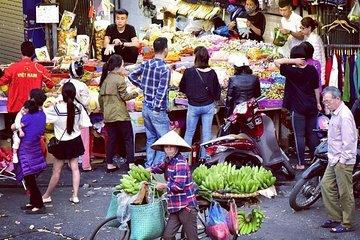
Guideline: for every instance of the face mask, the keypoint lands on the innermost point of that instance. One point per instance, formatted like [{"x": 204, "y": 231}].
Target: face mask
[{"x": 250, "y": 10}]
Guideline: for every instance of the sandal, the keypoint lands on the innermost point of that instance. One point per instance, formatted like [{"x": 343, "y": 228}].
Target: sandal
[
  {"x": 341, "y": 229},
  {"x": 74, "y": 200},
  {"x": 330, "y": 224},
  {"x": 47, "y": 200},
  {"x": 26, "y": 207}
]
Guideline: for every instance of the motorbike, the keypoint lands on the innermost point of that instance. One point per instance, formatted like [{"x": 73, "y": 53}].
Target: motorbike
[
  {"x": 307, "y": 189},
  {"x": 248, "y": 138}
]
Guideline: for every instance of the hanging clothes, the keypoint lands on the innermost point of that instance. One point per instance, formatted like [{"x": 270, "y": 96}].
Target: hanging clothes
[
  {"x": 341, "y": 72},
  {"x": 351, "y": 73},
  {"x": 333, "y": 79},
  {"x": 358, "y": 74},
  {"x": 328, "y": 67},
  {"x": 346, "y": 90}
]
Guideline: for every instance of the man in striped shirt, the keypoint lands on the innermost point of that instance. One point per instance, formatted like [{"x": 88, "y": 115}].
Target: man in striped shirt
[{"x": 153, "y": 77}]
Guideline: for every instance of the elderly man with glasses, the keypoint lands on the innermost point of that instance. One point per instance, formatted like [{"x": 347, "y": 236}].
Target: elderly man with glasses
[{"x": 336, "y": 185}]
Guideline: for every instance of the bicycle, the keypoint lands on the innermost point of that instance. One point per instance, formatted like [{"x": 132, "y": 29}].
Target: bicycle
[{"x": 106, "y": 230}]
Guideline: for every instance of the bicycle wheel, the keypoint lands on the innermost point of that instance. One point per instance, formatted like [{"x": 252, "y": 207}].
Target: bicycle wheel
[{"x": 108, "y": 230}]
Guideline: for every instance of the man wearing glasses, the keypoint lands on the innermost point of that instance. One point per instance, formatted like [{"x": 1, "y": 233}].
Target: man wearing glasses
[{"x": 336, "y": 185}]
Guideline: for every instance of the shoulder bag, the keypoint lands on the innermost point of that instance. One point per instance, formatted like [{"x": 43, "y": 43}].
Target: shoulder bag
[
  {"x": 216, "y": 104},
  {"x": 53, "y": 143}
]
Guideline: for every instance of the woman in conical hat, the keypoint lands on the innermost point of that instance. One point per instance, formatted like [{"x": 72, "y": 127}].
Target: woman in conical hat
[{"x": 179, "y": 187}]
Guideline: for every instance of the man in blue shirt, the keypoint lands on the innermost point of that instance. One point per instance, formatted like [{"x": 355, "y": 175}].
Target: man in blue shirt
[{"x": 153, "y": 77}]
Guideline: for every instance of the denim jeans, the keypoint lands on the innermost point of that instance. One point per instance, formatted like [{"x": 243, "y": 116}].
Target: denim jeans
[
  {"x": 303, "y": 126},
  {"x": 156, "y": 125},
  {"x": 193, "y": 114}
]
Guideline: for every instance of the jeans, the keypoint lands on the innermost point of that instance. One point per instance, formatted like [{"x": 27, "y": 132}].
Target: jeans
[
  {"x": 193, "y": 114},
  {"x": 303, "y": 126},
  {"x": 156, "y": 125},
  {"x": 120, "y": 132}
]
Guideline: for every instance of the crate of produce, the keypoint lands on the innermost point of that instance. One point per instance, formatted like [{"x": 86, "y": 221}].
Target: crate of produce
[{"x": 270, "y": 103}]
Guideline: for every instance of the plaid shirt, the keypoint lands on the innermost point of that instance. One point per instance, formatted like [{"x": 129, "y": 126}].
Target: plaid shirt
[
  {"x": 180, "y": 186},
  {"x": 155, "y": 79}
]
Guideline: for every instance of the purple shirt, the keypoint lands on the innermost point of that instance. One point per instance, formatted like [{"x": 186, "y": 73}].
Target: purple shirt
[
  {"x": 342, "y": 136},
  {"x": 317, "y": 66}
]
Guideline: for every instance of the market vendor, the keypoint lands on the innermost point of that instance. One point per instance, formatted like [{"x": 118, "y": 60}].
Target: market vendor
[
  {"x": 120, "y": 38},
  {"x": 256, "y": 21},
  {"x": 290, "y": 23},
  {"x": 22, "y": 77}
]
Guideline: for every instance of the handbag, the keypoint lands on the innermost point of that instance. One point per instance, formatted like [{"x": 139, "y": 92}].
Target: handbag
[
  {"x": 147, "y": 220},
  {"x": 216, "y": 102},
  {"x": 112, "y": 209},
  {"x": 53, "y": 143}
]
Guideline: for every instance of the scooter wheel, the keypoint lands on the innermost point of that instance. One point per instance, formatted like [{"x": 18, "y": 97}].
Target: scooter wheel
[{"x": 305, "y": 193}]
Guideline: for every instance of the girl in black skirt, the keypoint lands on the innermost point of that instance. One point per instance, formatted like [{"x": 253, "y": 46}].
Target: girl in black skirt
[{"x": 68, "y": 118}]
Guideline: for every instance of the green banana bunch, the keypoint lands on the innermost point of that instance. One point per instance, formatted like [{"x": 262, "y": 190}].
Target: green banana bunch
[
  {"x": 139, "y": 173},
  {"x": 264, "y": 177},
  {"x": 200, "y": 174},
  {"x": 250, "y": 223},
  {"x": 129, "y": 184}
]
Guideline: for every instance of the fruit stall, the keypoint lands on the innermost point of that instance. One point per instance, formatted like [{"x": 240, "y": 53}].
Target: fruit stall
[{"x": 180, "y": 57}]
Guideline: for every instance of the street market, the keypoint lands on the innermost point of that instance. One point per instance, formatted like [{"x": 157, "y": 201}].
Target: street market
[{"x": 119, "y": 87}]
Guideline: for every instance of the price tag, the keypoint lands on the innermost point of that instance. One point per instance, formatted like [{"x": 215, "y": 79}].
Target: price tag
[{"x": 47, "y": 13}]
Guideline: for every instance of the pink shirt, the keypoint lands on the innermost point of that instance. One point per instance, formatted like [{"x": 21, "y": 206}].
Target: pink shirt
[{"x": 342, "y": 136}]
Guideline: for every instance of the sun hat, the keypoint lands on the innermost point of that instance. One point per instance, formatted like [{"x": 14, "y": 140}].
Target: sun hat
[
  {"x": 173, "y": 139},
  {"x": 239, "y": 60}
]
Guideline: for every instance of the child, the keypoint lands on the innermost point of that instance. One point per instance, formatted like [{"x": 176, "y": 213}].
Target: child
[
  {"x": 29, "y": 107},
  {"x": 180, "y": 187}
]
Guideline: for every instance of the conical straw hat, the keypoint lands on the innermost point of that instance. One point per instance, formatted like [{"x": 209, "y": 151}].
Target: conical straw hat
[{"x": 173, "y": 139}]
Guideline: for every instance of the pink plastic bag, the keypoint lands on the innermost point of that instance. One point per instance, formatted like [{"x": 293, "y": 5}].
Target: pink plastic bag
[
  {"x": 218, "y": 231},
  {"x": 216, "y": 226},
  {"x": 232, "y": 218}
]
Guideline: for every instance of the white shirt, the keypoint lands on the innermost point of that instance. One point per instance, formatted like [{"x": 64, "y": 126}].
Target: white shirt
[
  {"x": 293, "y": 24},
  {"x": 319, "y": 53},
  {"x": 58, "y": 115},
  {"x": 82, "y": 91}
]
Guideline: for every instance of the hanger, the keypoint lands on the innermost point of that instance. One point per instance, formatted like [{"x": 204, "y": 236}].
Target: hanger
[{"x": 343, "y": 23}]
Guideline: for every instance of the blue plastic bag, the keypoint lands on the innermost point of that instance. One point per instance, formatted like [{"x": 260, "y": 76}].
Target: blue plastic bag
[
  {"x": 216, "y": 225},
  {"x": 222, "y": 31}
]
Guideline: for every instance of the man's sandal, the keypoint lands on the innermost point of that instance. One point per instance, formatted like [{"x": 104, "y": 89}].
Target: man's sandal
[
  {"x": 330, "y": 224},
  {"x": 341, "y": 229}
]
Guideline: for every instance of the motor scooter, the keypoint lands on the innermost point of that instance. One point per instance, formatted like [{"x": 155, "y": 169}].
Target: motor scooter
[
  {"x": 248, "y": 138},
  {"x": 307, "y": 189}
]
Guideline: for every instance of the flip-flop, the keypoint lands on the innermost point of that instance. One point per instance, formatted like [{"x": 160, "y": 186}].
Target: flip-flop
[
  {"x": 330, "y": 224},
  {"x": 341, "y": 229}
]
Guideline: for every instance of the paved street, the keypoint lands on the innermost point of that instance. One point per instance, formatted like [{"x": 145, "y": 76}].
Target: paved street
[{"x": 68, "y": 221}]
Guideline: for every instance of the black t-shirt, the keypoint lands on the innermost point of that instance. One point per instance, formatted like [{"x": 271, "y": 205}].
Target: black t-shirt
[
  {"x": 125, "y": 36},
  {"x": 259, "y": 21},
  {"x": 299, "y": 89},
  {"x": 195, "y": 90}
]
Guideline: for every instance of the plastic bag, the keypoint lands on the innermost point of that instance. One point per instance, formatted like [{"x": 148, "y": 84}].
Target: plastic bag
[
  {"x": 354, "y": 14},
  {"x": 66, "y": 20},
  {"x": 123, "y": 212},
  {"x": 232, "y": 219},
  {"x": 222, "y": 31},
  {"x": 216, "y": 226},
  {"x": 279, "y": 39}
]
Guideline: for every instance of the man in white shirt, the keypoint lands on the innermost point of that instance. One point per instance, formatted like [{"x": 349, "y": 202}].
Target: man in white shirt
[{"x": 290, "y": 23}]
